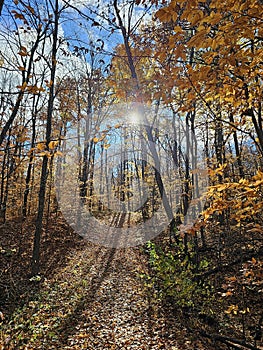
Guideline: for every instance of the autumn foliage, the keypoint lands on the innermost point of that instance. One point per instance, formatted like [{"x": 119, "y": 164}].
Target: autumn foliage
[{"x": 198, "y": 67}]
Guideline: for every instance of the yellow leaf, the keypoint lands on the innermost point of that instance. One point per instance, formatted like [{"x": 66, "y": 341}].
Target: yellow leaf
[
  {"x": 52, "y": 144},
  {"x": 41, "y": 146},
  {"x": 95, "y": 140},
  {"x": 254, "y": 261},
  {"x": 178, "y": 29},
  {"x": 164, "y": 15},
  {"x": 49, "y": 83},
  {"x": 232, "y": 279},
  {"x": 195, "y": 16},
  {"x": 214, "y": 44},
  {"x": 46, "y": 153},
  {"x": 22, "y": 87},
  {"x": 59, "y": 153},
  {"x": 215, "y": 18},
  {"x": 198, "y": 39},
  {"x": 258, "y": 176},
  {"x": 258, "y": 183},
  {"x": 232, "y": 308}
]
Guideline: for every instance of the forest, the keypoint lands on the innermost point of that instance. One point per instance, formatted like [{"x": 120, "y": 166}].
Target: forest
[{"x": 131, "y": 174}]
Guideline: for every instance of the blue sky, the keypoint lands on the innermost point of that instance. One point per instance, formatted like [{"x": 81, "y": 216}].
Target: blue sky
[{"x": 79, "y": 31}]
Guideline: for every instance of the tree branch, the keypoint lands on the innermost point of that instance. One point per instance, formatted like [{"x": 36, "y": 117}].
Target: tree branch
[{"x": 228, "y": 340}]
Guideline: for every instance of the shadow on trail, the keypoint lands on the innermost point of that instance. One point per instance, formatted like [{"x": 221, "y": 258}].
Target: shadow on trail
[{"x": 68, "y": 326}]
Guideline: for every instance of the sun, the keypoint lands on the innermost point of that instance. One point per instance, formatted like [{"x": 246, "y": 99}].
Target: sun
[{"x": 135, "y": 117}]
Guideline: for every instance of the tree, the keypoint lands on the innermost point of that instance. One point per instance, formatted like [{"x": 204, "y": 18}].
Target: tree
[
  {"x": 226, "y": 41},
  {"x": 44, "y": 172},
  {"x": 1, "y": 6},
  {"x": 135, "y": 82}
]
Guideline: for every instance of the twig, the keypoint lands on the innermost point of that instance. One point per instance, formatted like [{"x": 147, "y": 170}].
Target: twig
[
  {"x": 231, "y": 264},
  {"x": 228, "y": 340}
]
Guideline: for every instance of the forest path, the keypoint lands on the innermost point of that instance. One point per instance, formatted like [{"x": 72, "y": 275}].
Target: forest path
[
  {"x": 112, "y": 309},
  {"x": 95, "y": 299}
]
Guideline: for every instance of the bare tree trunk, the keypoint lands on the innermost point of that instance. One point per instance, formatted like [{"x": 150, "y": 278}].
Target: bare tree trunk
[
  {"x": 87, "y": 148},
  {"x": 4, "y": 183},
  {"x": 219, "y": 145},
  {"x": 21, "y": 93},
  {"x": 1, "y": 6},
  {"x": 29, "y": 169},
  {"x": 44, "y": 172},
  {"x": 51, "y": 167},
  {"x": 238, "y": 155}
]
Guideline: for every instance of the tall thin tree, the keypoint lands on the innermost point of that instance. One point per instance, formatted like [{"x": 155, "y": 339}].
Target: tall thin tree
[{"x": 44, "y": 172}]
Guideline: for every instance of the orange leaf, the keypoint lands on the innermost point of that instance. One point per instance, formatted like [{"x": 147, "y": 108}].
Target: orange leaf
[{"x": 254, "y": 261}]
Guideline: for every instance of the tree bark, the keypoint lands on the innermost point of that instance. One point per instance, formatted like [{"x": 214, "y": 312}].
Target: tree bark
[
  {"x": 44, "y": 172},
  {"x": 29, "y": 169},
  {"x": 237, "y": 150},
  {"x": 1, "y": 6},
  {"x": 22, "y": 91}
]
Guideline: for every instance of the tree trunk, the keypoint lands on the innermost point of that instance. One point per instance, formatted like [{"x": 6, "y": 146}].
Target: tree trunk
[
  {"x": 21, "y": 92},
  {"x": 4, "y": 183},
  {"x": 1, "y": 6},
  {"x": 238, "y": 155},
  {"x": 29, "y": 169},
  {"x": 44, "y": 172}
]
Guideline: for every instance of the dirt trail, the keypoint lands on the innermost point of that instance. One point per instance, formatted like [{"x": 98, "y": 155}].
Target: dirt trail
[
  {"x": 94, "y": 300},
  {"x": 114, "y": 311}
]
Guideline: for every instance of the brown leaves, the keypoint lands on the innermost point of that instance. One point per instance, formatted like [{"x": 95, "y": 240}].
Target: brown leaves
[
  {"x": 23, "y": 51},
  {"x": 32, "y": 89},
  {"x": 31, "y": 10},
  {"x": 22, "y": 87},
  {"x": 43, "y": 150},
  {"x": 18, "y": 15},
  {"x": 165, "y": 15}
]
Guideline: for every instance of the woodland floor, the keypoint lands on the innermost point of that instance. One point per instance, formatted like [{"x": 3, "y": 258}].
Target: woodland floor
[{"x": 89, "y": 297}]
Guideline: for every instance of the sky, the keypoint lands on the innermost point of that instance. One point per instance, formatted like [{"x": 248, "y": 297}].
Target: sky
[
  {"x": 78, "y": 31},
  {"x": 84, "y": 30},
  {"x": 73, "y": 31}
]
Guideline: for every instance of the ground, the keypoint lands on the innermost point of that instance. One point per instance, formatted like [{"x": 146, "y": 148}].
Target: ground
[{"x": 86, "y": 297}]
